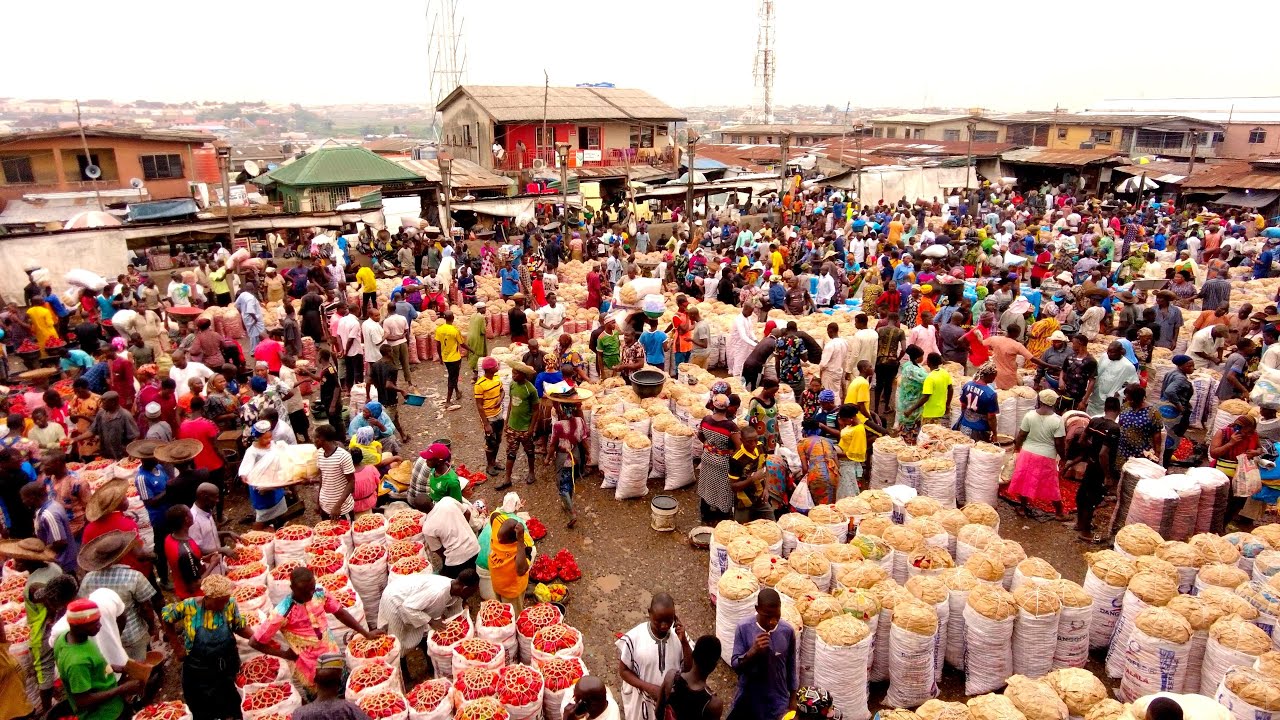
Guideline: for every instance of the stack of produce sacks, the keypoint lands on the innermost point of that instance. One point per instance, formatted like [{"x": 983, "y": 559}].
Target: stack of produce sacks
[
  {"x": 530, "y": 621},
  {"x": 889, "y": 595},
  {"x": 1215, "y": 492},
  {"x": 1035, "y": 629},
  {"x": 1145, "y": 590},
  {"x": 1132, "y": 472},
  {"x": 913, "y": 641},
  {"x": 718, "y": 561},
  {"x": 1249, "y": 694},
  {"x": 814, "y": 610},
  {"x": 982, "y": 476},
  {"x": 1185, "y": 558},
  {"x": 1266, "y": 600},
  {"x": 884, "y": 462},
  {"x": 832, "y": 519},
  {"x": 1233, "y": 641},
  {"x": 959, "y": 581},
  {"x": 1074, "y": 625},
  {"x": 1033, "y": 570},
  {"x": 1249, "y": 545},
  {"x": 736, "y": 601},
  {"x": 933, "y": 591},
  {"x": 1200, "y": 614}
]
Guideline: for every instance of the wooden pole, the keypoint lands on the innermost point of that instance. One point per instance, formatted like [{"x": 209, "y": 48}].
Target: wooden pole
[{"x": 88, "y": 159}]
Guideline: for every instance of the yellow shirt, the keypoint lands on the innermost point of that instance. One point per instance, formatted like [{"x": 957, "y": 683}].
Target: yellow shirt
[
  {"x": 490, "y": 393},
  {"x": 43, "y": 323},
  {"x": 859, "y": 392},
  {"x": 853, "y": 442},
  {"x": 776, "y": 259},
  {"x": 368, "y": 281},
  {"x": 372, "y": 452},
  {"x": 895, "y": 230},
  {"x": 935, "y": 386},
  {"x": 449, "y": 339},
  {"x": 218, "y": 281}
]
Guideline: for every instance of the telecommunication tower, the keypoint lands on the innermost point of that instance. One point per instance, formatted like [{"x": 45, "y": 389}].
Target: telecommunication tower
[
  {"x": 447, "y": 54},
  {"x": 766, "y": 60}
]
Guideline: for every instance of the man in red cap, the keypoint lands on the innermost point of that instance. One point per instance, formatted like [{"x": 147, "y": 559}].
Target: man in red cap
[
  {"x": 433, "y": 475},
  {"x": 89, "y": 680},
  {"x": 488, "y": 394}
]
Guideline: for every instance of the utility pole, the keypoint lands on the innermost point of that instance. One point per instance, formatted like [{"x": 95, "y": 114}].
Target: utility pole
[
  {"x": 691, "y": 139},
  {"x": 1195, "y": 140},
  {"x": 546, "y": 91},
  {"x": 445, "y": 163},
  {"x": 784, "y": 145},
  {"x": 562, "y": 152},
  {"x": 857, "y": 139},
  {"x": 223, "y": 150},
  {"x": 968, "y": 173},
  {"x": 88, "y": 160}
]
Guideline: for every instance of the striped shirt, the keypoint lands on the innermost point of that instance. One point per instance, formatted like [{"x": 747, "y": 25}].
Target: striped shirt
[
  {"x": 53, "y": 525},
  {"x": 134, "y": 591},
  {"x": 333, "y": 479},
  {"x": 489, "y": 390}
]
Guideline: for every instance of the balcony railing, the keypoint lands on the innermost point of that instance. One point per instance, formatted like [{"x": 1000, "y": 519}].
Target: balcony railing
[{"x": 608, "y": 157}]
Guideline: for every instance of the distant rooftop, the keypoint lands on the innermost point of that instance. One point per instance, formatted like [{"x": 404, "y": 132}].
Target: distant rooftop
[
  {"x": 925, "y": 118},
  {"x": 110, "y": 132},
  {"x": 517, "y": 103},
  {"x": 777, "y": 128}
]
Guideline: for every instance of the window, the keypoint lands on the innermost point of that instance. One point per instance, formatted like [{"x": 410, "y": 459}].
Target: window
[
  {"x": 917, "y": 133},
  {"x": 589, "y": 138},
  {"x": 951, "y": 135},
  {"x": 877, "y": 132},
  {"x": 768, "y": 139},
  {"x": 159, "y": 167},
  {"x": 1100, "y": 137},
  {"x": 84, "y": 164},
  {"x": 753, "y": 139},
  {"x": 18, "y": 170},
  {"x": 1219, "y": 137},
  {"x": 1062, "y": 133},
  {"x": 891, "y": 132},
  {"x": 466, "y": 135},
  {"x": 1257, "y": 136},
  {"x": 641, "y": 136},
  {"x": 737, "y": 140},
  {"x": 987, "y": 136},
  {"x": 548, "y": 141}
]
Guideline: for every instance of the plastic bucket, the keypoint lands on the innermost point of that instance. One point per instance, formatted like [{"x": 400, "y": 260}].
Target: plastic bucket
[{"x": 662, "y": 513}]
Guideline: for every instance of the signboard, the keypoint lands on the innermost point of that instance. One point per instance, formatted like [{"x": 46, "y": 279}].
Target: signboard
[{"x": 592, "y": 155}]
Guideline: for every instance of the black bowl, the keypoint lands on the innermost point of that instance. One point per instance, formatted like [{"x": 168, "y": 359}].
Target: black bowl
[{"x": 648, "y": 383}]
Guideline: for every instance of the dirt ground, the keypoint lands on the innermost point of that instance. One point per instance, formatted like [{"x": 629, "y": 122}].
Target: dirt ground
[{"x": 624, "y": 562}]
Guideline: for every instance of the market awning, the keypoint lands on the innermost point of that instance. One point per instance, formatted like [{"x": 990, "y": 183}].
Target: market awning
[
  {"x": 162, "y": 210},
  {"x": 1249, "y": 198}
]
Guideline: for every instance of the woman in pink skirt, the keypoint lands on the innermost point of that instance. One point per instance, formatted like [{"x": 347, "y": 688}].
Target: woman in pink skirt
[{"x": 1041, "y": 441}]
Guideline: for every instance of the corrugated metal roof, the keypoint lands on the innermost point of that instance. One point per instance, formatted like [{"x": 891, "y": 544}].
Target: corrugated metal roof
[
  {"x": 924, "y": 118},
  {"x": 395, "y": 145},
  {"x": 465, "y": 174},
  {"x": 1250, "y": 199},
  {"x": 28, "y": 212},
  {"x": 1045, "y": 156},
  {"x": 110, "y": 132},
  {"x": 1170, "y": 122},
  {"x": 339, "y": 166},
  {"x": 511, "y": 103},
  {"x": 776, "y": 128},
  {"x": 1232, "y": 175}
]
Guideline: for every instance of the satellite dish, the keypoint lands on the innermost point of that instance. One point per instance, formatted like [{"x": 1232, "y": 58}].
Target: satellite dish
[
  {"x": 272, "y": 166},
  {"x": 93, "y": 172},
  {"x": 539, "y": 163},
  {"x": 136, "y": 183},
  {"x": 252, "y": 168}
]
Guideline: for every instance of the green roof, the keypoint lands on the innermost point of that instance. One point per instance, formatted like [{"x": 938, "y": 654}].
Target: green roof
[{"x": 338, "y": 166}]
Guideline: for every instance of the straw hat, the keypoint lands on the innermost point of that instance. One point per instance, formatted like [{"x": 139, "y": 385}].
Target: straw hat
[
  {"x": 178, "y": 451},
  {"x": 106, "y": 499},
  {"x": 574, "y": 396},
  {"x": 142, "y": 449},
  {"x": 527, "y": 370},
  {"x": 32, "y": 549},
  {"x": 105, "y": 550},
  {"x": 38, "y": 374}
]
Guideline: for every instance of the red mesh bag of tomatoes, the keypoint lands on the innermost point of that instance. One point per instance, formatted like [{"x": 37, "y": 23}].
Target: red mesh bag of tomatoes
[
  {"x": 409, "y": 566},
  {"x": 257, "y": 538},
  {"x": 172, "y": 710},
  {"x": 401, "y": 549},
  {"x": 382, "y": 705},
  {"x": 430, "y": 696},
  {"x": 558, "y": 639},
  {"x": 368, "y": 554},
  {"x": 323, "y": 543},
  {"x": 247, "y": 572},
  {"x": 294, "y": 533},
  {"x": 324, "y": 563},
  {"x": 535, "y": 617},
  {"x": 267, "y": 697},
  {"x": 562, "y": 673},
  {"x": 487, "y": 708},
  {"x": 382, "y": 647},
  {"x": 333, "y": 528},
  {"x": 495, "y": 614},
  {"x": 333, "y": 582},
  {"x": 368, "y": 677},
  {"x": 454, "y": 632},
  {"x": 478, "y": 650},
  {"x": 281, "y": 572},
  {"x": 17, "y": 632},
  {"x": 259, "y": 670},
  {"x": 404, "y": 527},
  {"x": 477, "y": 682},
  {"x": 519, "y": 686},
  {"x": 243, "y": 555}
]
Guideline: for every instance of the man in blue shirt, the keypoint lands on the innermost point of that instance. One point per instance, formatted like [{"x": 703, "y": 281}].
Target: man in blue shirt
[
  {"x": 904, "y": 270},
  {"x": 152, "y": 482},
  {"x": 764, "y": 657},
  {"x": 510, "y": 281},
  {"x": 654, "y": 342},
  {"x": 1262, "y": 265},
  {"x": 979, "y": 404}
]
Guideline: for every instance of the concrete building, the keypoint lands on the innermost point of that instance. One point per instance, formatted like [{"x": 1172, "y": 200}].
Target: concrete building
[
  {"x": 927, "y": 126},
  {"x": 771, "y": 134},
  {"x": 1251, "y": 125},
  {"x": 501, "y": 127},
  {"x": 54, "y": 161},
  {"x": 1158, "y": 135}
]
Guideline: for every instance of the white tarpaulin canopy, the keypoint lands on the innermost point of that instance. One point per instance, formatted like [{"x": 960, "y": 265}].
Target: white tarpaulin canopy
[{"x": 892, "y": 182}]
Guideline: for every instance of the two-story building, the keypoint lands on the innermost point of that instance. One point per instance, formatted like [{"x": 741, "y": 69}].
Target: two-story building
[
  {"x": 502, "y": 127},
  {"x": 771, "y": 134},
  {"x": 939, "y": 128},
  {"x": 54, "y": 161},
  {"x": 1161, "y": 135}
]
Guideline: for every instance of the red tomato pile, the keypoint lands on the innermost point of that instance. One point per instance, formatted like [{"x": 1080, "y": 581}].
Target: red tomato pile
[
  {"x": 369, "y": 523},
  {"x": 54, "y": 342},
  {"x": 478, "y": 650},
  {"x": 294, "y": 532},
  {"x": 473, "y": 477},
  {"x": 333, "y": 582},
  {"x": 324, "y": 543},
  {"x": 257, "y": 537},
  {"x": 487, "y": 708},
  {"x": 409, "y": 566},
  {"x": 244, "y": 556},
  {"x": 371, "y": 648},
  {"x": 563, "y": 565},
  {"x": 368, "y": 554},
  {"x": 519, "y": 685},
  {"x": 454, "y": 632},
  {"x": 402, "y": 549},
  {"x": 282, "y": 571},
  {"x": 245, "y": 593},
  {"x": 324, "y": 563},
  {"x": 535, "y": 617},
  {"x": 28, "y": 346},
  {"x": 246, "y": 572},
  {"x": 536, "y": 529},
  {"x": 554, "y": 638},
  {"x": 333, "y": 528},
  {"x": 404, "y": 527},
  {"x": 172, "y": 710}
]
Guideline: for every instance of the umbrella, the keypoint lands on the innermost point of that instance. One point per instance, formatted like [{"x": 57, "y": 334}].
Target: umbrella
[
  {"x": 91, "y": 219},
  {"x": 684, "y": 179},
  {"x": 1130, "y": 184}
]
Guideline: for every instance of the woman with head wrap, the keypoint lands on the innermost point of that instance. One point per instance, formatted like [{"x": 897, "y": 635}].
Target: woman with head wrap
[
  {"x": 477, "y": 338},
  {"x": 720, "y": 440},
  {"x": 376, "y": 417},
  {"x": 268, "y": 504},
  {"x": 1175, "y": 402},
  {"x": 202, "y": 632}
]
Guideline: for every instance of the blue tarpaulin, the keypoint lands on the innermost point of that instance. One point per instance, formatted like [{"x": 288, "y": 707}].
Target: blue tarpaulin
[{"x": 162, "y": 210}]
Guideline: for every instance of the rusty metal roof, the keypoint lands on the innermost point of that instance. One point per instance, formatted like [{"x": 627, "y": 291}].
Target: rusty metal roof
[
  {"x": 1232, "y": 175},
  {"x": 110, "y": 132},
  {"x": 513, "y": 103},
  {"x": 1072, "y": 158},
  {"x": 465, "y": 174}
]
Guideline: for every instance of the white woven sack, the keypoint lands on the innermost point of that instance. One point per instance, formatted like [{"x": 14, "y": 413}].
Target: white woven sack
[
  {"x": 1195, "y": 661},
  {"x": 677, "y": 458},
  {"x": 1035, "y": 639},
  {"x": 1019, "y": 579},
  {"x": 1218, "y": 659},
  {"x": 1184, "y": 519},
  {"x": 633, "y": 477},
  {"x": 729, "y": 614},
  {"x": 610, "y": 462},
  {"x": 911, "y": 668},
  {"x": 259, "y": 580},
  {"x": 717, "y": 563},
  {"x": 909, "y": 473},
  {"x": 900, "y": 495},
  {"x": 593, "y": 439},
  {"x": 963, "y": 551},
  {"x": 657, "y": 454},
  {"x": 1120, "y": 638},
  {"x": 939, "y": 485},
  {"x": 459, "y": 663},
  {"x": 786, "y": 432},
  {"x": 392, "y": 658},
  {"x": 1007, "y": 418},
  {"x": 988, "y": 652},
  {"x": 540, "y": 657},
  {"x": 1107, "y": 602},
  {"x": 369, "y": 580},
  {"x": 879, "y": 671},
  {"x": 376, "y": 536},
  {"x": 960, "y": 454},
  {"x": 1151, "y": 665},
  {"x": 553, "y": 700},
  {"x": 982, "y": 476},
  {"x": 1072, "y": 647},
  {"x": 1238, "y": 707},
  {"x": 954, "y": 654},
  {"x": 285, "y": 707},
  {"x": 843, "y": 670},
  {"x": 391, "y": 684},
  {"x": 442, "y": 655},
  {"x": 943, "y": 610},
  {"x": 884, "y": 468}
]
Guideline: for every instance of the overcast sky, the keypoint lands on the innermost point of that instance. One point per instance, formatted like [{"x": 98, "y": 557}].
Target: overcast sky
[{"x": 1001, "y": 54}]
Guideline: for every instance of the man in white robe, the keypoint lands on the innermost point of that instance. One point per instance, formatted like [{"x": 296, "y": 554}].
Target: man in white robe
[
  {"x": 647, "y": 653},
  {"x": 741, "y": 339}
]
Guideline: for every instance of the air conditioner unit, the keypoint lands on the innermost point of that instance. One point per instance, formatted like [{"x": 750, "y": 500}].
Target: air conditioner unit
[{"x": 1087, "y": 146}]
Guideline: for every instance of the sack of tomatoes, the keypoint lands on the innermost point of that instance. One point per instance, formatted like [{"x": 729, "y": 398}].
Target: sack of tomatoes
[
  {"x": 373, "y": 677},
  {"x": 496, "y": 621},
  {"x": 520, "y": 691},
  {"x": 278, "y": 698},
  {"x": 478, "y": 652},
  {"x": 172, "y": 710}
]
